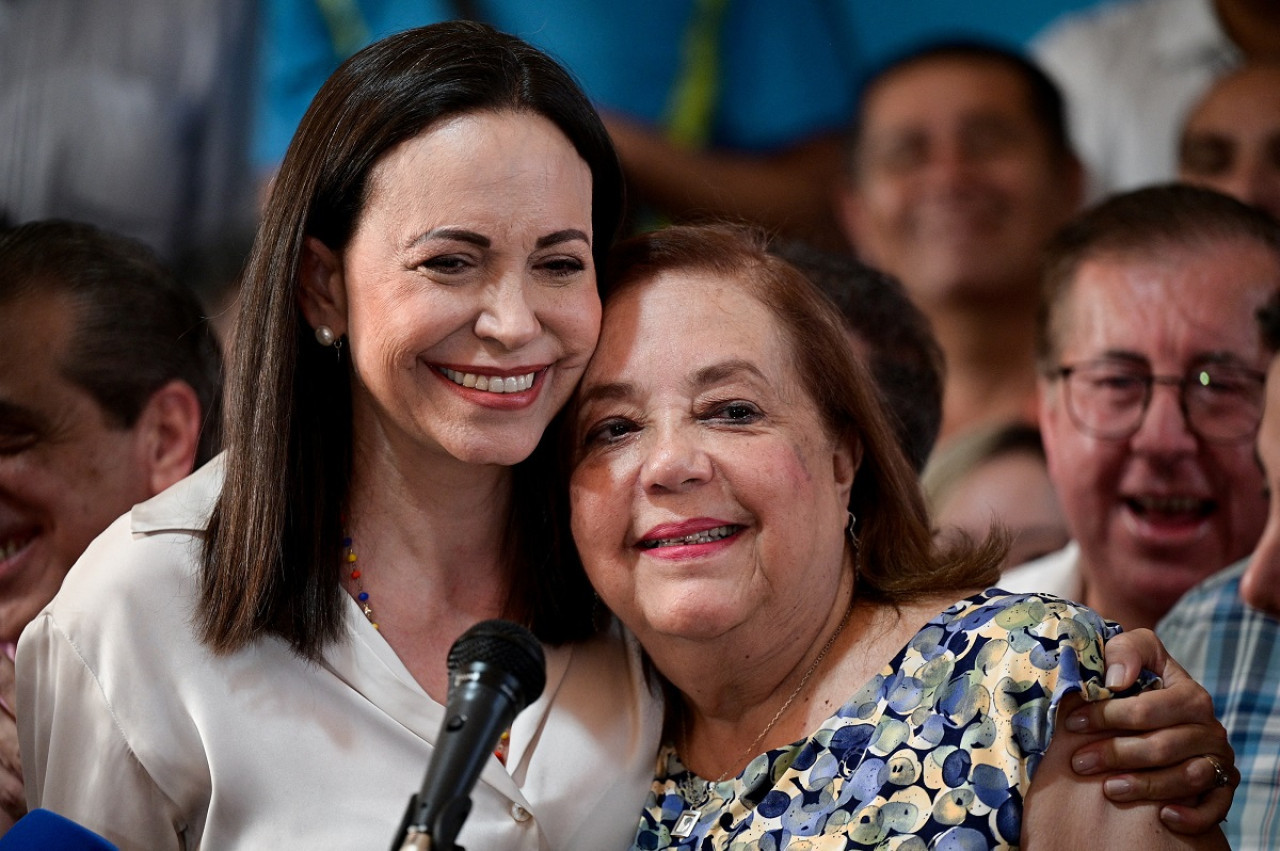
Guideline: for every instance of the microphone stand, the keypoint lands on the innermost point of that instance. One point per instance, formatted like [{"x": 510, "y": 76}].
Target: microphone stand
[
  {"x": 419, "y": 842},
  {"x": 413, "y": 838},
  {"x": 422, "y": 831}
]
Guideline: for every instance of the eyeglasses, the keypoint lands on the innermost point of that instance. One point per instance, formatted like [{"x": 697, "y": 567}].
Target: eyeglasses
[{"x": 1220, "y": 402}]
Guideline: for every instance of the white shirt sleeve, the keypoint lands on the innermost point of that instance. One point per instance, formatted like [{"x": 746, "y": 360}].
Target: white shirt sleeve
[{"x": 76, "y": 739}]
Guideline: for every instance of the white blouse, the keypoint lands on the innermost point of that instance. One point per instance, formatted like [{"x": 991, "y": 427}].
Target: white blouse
[{"x": 131, "y": 727}]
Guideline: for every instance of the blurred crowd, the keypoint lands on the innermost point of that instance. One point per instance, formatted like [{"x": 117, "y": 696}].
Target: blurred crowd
[{"x": 1050, "y": 227}]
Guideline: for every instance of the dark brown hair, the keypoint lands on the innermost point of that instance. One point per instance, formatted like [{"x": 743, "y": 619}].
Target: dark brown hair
[
  {"x": 136, "y": 327},
  {"x": 1139, "y": 224},
  {"x": 899, "y": 560},
  {"x": 271, "y": 560},
  {"x": 902, "y": 353}
]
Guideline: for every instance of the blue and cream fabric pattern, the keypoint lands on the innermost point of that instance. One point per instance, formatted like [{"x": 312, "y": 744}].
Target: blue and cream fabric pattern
[
  {"x": 936, "y": 751},
  {"x": 1234, "y": 652}
]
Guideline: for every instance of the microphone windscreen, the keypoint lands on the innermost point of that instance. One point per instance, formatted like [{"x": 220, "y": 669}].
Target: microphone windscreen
[
  {"x": 504, "y": 646},
  {"x": 45, "y": 830}
]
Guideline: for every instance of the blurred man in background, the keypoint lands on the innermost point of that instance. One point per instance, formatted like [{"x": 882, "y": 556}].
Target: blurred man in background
[
  {"x": 110, "y": 391},
  {"x": 960, "y": 173},
  {"x": 1150, "y": 396},
  {"x": 1231, "y": 139}
]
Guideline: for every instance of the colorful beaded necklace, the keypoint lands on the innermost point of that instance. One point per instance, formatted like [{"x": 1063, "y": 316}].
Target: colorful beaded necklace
[{"x": 349, "y": 560}]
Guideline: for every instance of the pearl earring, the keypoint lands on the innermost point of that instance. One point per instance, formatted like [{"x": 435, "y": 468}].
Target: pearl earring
[{"x": 325, "y": 335}]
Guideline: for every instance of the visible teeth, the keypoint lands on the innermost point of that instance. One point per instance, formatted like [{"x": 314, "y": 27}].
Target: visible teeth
[
  {"x": 491, "y": 384},
  {"x": 12, "y": 547},
  {"x": 704, "y": 537}
]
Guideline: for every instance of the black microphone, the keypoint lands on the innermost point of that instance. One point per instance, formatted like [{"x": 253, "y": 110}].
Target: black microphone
[{"x": 496, "y": 669}]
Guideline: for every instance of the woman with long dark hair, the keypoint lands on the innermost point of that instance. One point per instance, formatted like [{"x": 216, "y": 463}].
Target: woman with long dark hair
[{"x": 257, "y": 658}]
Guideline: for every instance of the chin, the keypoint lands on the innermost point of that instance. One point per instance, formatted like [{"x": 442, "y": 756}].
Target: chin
[
  {"x": 495, "y": 456},
  {"x": 697, "y": 622},
  {"x": 1164, "y": 582},
  {"x": 504, "y": 448}
]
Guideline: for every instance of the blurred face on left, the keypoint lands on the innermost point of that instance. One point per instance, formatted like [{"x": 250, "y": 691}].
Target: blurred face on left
[
  {"x": 66, "y": 469},
  {"x": 467, "y": 291},
  {"x": 707, "y": 495}
]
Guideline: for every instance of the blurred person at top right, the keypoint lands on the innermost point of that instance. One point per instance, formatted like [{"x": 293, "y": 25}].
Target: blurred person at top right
[
  {"x": 1131, "y": 70},
  {"x": 1152, "y": 370},
  {"x": 1231, "y": 139},
  {"x": 960, "y": 172}
]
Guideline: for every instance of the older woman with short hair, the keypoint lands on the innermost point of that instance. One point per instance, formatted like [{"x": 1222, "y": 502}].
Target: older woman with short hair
[{"x": 740, "y": 502}]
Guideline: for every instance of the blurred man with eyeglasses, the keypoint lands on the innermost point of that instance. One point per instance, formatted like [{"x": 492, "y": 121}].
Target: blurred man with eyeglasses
[
  {"x": 1151, "y": 383},
  {"x": 1226, "y": 631}
]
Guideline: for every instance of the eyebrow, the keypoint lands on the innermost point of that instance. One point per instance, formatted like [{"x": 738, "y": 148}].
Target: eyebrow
[
  {"x": 1220, "y": 356},
  {"x": 718, "y": 372},
  {"x": 481, "y": 241},
  {"x": 459, "y": 234},
  {"x": 612, "y": 390},
  {"x": 1216, "y": 356},
  {"x": 713, "y": 374},
  {"x": 566, "y": 235},
  {"x": 1122, "y": 355}
]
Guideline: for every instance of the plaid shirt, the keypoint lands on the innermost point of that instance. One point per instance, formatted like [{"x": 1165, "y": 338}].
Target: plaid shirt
[{"x": 1234, "y": 651}]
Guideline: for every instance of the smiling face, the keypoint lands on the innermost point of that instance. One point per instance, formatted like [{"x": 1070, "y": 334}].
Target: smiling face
[
  {"x": 1159, "y": 511},
  {"x": 707, "y": 495},
  {"x": 66, "y": 471},
  {"x": 467, "y": 291},
  {"x": 956, "y": 186},
  {"x": 1231, "y": 141}
]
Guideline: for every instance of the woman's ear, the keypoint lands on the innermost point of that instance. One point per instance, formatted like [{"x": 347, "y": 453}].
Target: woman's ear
[
  {"x": 322, "y": 293},
  {"x": 846, "y": 459}
]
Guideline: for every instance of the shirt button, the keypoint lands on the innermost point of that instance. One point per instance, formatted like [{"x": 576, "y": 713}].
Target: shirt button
[{"x": 519, "y": 813}]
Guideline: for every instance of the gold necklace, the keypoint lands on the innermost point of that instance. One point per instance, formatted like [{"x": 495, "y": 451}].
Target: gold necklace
[{"x": 690, "y": 815}]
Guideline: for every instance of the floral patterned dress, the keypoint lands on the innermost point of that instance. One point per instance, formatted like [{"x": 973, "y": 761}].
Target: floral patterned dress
[{"x": 935, "y": 752}]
